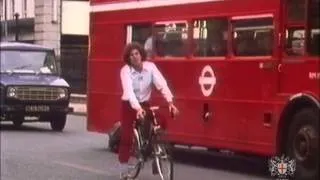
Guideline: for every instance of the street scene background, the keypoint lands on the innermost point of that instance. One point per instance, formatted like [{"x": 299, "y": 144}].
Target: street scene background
[{"x": 35, "y": 152}]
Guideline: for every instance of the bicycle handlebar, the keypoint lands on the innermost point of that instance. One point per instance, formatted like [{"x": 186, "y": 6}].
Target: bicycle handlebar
[
  {"x": 158, "y": 107},
  {"x": 155, "y": 108}
]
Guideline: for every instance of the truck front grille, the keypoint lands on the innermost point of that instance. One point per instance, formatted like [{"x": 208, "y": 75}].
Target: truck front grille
[{"x": 38, "y": 93}]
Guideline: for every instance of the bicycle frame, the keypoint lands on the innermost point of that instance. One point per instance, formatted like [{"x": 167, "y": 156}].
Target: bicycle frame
[
  {"x": 148, "y": 147},
  {"x": 154, "y": 130}
]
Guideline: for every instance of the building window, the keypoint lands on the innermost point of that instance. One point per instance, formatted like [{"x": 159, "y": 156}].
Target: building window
[
  {"x": 12, "y": 9},
  {"x": 24, "y": 9},
  {"x": 55, "y": 7},
  {"x": 253, "y": 37},
  {"x": 210, "y": 37}
]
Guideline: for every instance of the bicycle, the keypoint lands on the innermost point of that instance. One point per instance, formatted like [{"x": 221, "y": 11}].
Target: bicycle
[{"x": 151, "y": 146}]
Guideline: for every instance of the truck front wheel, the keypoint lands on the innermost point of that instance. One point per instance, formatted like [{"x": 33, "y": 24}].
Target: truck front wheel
[
  {"x": 303, "y": 144},
  {"x": 17, "y": 121},
  {"x": 58, "y": 122}
]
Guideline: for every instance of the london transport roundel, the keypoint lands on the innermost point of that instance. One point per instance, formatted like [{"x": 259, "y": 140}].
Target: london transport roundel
[{"x": 207, "y": 80}]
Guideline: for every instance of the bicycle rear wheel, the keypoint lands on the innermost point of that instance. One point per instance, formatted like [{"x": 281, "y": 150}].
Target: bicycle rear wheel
[
  {"x": 163, "y": 161},
  {"x": 137, "y": 155}
]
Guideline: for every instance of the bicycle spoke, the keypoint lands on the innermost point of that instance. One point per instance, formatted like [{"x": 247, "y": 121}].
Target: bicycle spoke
[
  {"x": 159, "y": 168},
  {"x": 138, "y": 163},
  {"x": 163, "y": 162}
]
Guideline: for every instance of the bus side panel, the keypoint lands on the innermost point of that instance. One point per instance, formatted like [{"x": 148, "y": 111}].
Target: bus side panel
[
  {"x": 236, "y": 104},
  {"x": 234, "y": 88},
  {"x": 186, "y": 11},
  {"x": 104, "y": 96},
  {"x": 103, "y": 1},
  {"x": 305, "y": 74},
  {"x": 104, "y": 87},
  {"x": 189, "y": 121},
  {"x": 105, "y": 115},
  {"x": 106, "y": 41}
]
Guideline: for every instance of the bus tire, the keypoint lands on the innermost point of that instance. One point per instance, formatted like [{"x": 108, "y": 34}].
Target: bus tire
[{"x": 303, "y": 144}]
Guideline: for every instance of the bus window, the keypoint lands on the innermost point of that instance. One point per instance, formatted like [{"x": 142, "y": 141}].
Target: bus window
[
  {"x": 253, "y": 37},
  {"x": 210, "y": 37},
  {"x": 296, "y": 10},
  {"x": 141, "y": 33},
  {"x": 171, "y": 38},
  {"x": 295, "y": 37},
  {"x": 314, "y": 34}
]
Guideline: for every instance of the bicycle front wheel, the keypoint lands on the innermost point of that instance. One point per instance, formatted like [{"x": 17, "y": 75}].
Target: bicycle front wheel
[
  {"x": 163, "y": 161},
  {"x": 137, "y": 156}
]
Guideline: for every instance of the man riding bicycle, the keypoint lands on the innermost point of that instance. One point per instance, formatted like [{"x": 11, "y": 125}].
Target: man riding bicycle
[{"x": 137, "y": 77}]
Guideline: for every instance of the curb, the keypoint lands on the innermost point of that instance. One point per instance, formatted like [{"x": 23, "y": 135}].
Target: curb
[
  {"x": 78, "y": 113},
  {"x": 78, "y": 108},
  {"x": 78, "y": 98}
]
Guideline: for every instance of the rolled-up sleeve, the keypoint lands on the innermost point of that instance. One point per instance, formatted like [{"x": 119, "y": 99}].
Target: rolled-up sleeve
[
  {"x": 127, "y": 88},
  {"x": 160, "y": 83}
]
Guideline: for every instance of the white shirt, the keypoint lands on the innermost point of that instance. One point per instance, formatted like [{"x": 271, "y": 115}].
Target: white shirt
[
  {"x": 148, "y": 44},
  {"x": 148, "y": 47},
  {"x": 137, "y": 86}
]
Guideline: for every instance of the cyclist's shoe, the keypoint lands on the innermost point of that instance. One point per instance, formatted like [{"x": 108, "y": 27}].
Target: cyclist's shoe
[
  {"x": 125, "y": 169},
  {"x": 123, "y": 176}
]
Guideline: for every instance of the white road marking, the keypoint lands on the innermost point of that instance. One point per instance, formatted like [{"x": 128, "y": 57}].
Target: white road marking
[{"x": 86, "y": 168}]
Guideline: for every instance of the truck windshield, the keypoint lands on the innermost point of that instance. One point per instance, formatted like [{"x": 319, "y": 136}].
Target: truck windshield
[{"x": 28, "y": 61}]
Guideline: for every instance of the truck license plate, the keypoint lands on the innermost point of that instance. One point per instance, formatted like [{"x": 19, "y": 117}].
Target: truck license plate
[{"x": 37, "y": 108}]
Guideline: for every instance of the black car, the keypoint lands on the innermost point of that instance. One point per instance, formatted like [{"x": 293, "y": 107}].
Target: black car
[{"x": 32, "y": 89}]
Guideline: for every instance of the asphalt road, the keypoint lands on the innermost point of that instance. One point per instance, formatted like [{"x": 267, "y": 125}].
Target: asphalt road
[{"x": 34, "y": 152}]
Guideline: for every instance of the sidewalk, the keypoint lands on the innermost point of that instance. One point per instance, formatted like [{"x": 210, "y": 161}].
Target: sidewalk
[
  {"x": 78, "y": 108},
  {"x": 78, "y": 103}
]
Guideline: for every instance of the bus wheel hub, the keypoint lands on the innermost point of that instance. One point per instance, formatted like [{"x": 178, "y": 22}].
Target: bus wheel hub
[{"x": 304, "y": 144}]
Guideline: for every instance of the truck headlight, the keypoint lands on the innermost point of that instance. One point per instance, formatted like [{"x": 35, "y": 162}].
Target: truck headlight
[
  {"x": 2, "y": 91},
  {"x": 63, "y": 93},
  {"x": 11, "y": 92}
]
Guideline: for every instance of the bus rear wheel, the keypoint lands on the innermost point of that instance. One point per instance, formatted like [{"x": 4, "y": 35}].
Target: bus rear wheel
[{"x": 303, "y": 144}]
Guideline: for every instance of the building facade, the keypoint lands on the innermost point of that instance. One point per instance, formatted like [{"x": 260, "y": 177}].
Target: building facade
[
  {"x": 34, "y": 21},
  {"x": 51, "y": 23}
]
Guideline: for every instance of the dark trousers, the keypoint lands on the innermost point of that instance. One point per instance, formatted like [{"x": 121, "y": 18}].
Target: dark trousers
[{"x": 127, "y": 122}]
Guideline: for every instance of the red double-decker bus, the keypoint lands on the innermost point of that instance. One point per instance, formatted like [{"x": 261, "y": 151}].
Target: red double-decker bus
[{"x": 245, "y": 74}]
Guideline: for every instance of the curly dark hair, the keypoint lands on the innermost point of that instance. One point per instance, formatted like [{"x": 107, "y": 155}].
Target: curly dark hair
[{"x": 131, "y": 46}]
